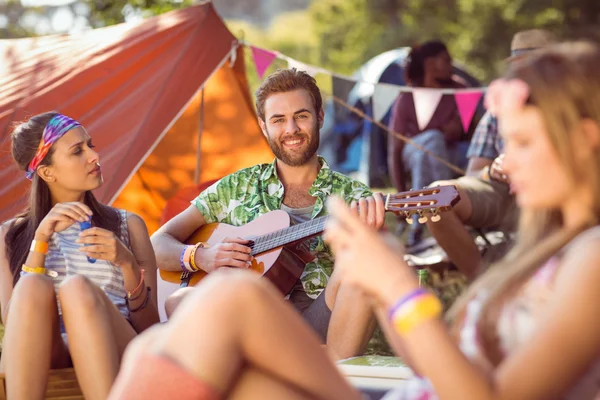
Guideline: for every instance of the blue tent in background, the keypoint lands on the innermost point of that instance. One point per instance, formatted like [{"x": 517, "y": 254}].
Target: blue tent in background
[{"x": 357, "y": 146}]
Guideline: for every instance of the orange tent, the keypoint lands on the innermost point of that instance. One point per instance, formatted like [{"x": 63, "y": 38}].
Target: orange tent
[{"x": 149, "y": 94}]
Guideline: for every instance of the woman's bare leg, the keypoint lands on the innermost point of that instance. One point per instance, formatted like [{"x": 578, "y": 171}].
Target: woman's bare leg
[
  {"x": 254, "y": 384},
  {"x": 97, "y": 335},
  {"x": 233, "y": 321},
  {"x": 32, "y": 342}
]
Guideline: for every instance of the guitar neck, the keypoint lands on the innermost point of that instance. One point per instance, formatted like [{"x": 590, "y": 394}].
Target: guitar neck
[
  {"x": 405, "y": 204},
  {"x": 289, "y": 235}
]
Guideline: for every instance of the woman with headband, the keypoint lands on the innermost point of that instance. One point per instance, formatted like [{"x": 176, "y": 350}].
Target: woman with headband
[{"x": 77, "y": 278}]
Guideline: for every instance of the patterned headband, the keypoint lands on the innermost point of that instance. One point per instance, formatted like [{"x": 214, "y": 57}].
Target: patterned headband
[{"x": 54, "y": 130}]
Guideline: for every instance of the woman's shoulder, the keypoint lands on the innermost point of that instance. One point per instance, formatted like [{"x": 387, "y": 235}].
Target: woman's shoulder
[
  {"x": 589, "y": 238},
  {"x": 132, "y": 220},
  {"x": 582, "y": 252}
]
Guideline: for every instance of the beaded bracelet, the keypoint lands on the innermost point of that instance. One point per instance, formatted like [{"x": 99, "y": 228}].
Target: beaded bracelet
[
  {"x": 139, "y": 286},
  {"x": 196, "y": 267}
]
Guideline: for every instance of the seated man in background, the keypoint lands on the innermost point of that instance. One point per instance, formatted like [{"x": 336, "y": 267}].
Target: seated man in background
[
  {"x": 486, "y": 200},
  {"x": 428, "y": 66}
]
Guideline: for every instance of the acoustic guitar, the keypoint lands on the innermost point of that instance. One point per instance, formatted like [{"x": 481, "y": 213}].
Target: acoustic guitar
[{"x": 280, "y": 251}]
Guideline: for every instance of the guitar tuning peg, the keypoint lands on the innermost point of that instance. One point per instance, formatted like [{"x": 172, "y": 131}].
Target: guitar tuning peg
[
  {"x": 422, "y": 218},
  {"x": 408, "y": 218},
  {"x": 435, "y": 217}
]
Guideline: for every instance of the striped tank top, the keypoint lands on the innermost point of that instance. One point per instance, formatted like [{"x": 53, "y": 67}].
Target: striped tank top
[{"x": 64, "y": 260}]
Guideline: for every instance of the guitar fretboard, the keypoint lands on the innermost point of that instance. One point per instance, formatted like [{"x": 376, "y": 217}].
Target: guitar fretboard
[{"x": 288, "y": 235}]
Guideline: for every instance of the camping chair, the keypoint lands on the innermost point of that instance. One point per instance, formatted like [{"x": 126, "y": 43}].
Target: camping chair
[{"x": 62, "y": 385}]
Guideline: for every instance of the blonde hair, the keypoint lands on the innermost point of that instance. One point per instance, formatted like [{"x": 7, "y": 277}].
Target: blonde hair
[{"x": 565, "y": 85}]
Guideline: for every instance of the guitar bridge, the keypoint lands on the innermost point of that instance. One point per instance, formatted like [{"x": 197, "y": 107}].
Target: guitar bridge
[{"x": 185, "y": 279}]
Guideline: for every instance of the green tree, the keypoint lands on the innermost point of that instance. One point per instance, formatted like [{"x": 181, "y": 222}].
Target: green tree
[
  {"x": 477, "y": 32},
  {"x": 110, "y": 12}
]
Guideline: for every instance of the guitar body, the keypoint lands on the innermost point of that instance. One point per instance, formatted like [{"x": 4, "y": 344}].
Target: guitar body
[{"x": 282, "y": 265}]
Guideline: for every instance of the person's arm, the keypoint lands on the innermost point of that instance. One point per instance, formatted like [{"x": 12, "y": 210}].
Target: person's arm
[
  {"x": 144, "y": 258},
  {"x": 482, "y": 150},
  {"x": 168, "y": 240},
  {"x": 6, "y": 277},
  {"x": 477, "y": 164}
]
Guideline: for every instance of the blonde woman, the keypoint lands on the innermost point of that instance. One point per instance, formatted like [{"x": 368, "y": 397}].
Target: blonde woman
[{"x": 527, "y": 329}]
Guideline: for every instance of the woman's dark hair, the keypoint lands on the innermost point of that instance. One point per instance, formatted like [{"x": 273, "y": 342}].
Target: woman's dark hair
[
  {"x": 25, "y": 139},
  {"x": 414, "y": 70}
]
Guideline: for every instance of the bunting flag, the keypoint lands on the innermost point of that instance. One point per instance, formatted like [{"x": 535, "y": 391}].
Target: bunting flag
[
  {"x": 384, "y": 96},
  {"x": 426, "y": 102},
  {"x": 467, "y": 104},
  {"x": 300, "y": 66},
  {"x": 262, "y": 59}
]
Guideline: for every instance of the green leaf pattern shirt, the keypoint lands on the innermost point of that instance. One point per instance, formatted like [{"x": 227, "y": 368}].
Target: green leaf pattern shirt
[{"x": 243, "y": 196}]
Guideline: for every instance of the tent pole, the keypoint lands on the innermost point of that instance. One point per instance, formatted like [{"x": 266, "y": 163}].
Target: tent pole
[{"x": 200, "y": 129}]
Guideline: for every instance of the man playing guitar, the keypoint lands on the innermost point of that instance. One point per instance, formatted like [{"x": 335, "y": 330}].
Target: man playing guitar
[{"x": 298, "y": 181}]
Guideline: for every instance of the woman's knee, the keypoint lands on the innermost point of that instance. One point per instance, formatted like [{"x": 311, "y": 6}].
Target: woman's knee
[
  {"x": 34, "y": 289},
  {"x": 236, "y": 287},
  {"x": 78, "y": 292},
  {"x": 172, "y": 302}
]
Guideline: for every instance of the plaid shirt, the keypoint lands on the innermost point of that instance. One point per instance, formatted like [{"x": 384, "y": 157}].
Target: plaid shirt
[{"x": 486, "y": 142}]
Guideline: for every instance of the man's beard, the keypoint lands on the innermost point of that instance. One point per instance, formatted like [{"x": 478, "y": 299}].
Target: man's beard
[{"x": 294, "y": 159}]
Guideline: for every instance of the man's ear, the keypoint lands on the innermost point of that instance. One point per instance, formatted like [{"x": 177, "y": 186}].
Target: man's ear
[
  {"x": 321, "y": 117},
  {"x": 46, "y": 173},
  {"x": 263, "y": 127}
]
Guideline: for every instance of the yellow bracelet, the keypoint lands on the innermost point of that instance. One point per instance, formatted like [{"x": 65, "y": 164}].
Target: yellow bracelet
[
  {"x": 414, "y": 313},
  {"x": 39, "y": 247},
  {"x": 29, "y": 270}
]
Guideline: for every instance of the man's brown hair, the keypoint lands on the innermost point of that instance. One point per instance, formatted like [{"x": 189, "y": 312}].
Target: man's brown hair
[{"x": 287, "y": 80}]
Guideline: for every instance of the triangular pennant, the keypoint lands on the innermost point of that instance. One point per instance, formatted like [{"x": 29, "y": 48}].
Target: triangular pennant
[
  {"x": 384, "y": 96},
  {"x": 262, "y": 59},
  {"x": 467, "y": 104},
  {"x": 300, "y": 66},
  {"x": 426, "y": 102}
]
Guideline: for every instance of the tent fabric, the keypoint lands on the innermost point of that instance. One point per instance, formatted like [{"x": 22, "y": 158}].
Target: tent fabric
[
  {"x": 231, "y": 139},
  {"x": 128, "y": 84},
  {"x": 181, "y": 200}
]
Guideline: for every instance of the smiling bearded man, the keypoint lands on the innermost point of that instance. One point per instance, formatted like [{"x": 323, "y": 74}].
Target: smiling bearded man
[{"x": 298, "y": 181}]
